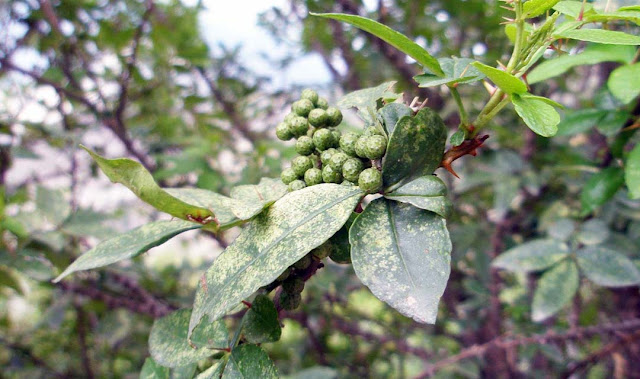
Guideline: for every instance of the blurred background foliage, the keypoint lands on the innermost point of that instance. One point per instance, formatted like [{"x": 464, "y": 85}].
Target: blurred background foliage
[{"x": 136, "y": 78}]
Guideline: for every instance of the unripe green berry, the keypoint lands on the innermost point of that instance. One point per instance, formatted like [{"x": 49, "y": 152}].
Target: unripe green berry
[
  {"x": 313, "y": 176},
  {"x": 302, "y": 107},
  {"x": 322, "y": 251},
  {"x": 290, "y": 301},
  {"x": 303, "y": 263},
  {"x": 318, "y": 118},
  {"x": 370, "y": 180},
  {"x": 299, "y": 126},
  {"x": 289, "y": 117},
  {"x": 296, "y": 185},
  {"x": 301, "y": 164},
  {"x": 283, "y": 131},
  {"x": 334, "y": 116},
  {"x": 373, "y": 131},
  {"x": 310, "y": 95},
  {"x": 284, "y": 275},
  {"x": 288, "y": 176},
  {"x": 329, "y": 175},
  {"x": 348, "y": 183},
  {"x": 293, "y": 285},
  {"x": 341, "y": 254},
  {"x": 348, "y": 143},
  {"x": 322, "y": 103},
  {"x": 326, "y": 155},
  {"x": 304, "y": 145},
  {"x": 336, "y": 136},
  {"x": 351, "y": 169},
  {"x": 337, "y": 160},
  {"x": 323, "y": 139},
  {"x": 376, "y": 146},
  {"x": 360, "y": 147}
]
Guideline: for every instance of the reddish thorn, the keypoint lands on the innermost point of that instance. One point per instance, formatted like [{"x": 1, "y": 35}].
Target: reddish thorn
[{"x": 246, "y": 303}]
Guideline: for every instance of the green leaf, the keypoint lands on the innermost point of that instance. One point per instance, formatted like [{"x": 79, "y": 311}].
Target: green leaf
[
  {"x": 573, "y": 8},
  {"x": 534, "y": 8},
  {"x": 28, "y": 262},
  {"x": 169, "y": 343},
  {"x": 135, "y": 177},
  {"x": 607, "y": 268},
  {"x": 534, "y": 255},
  {"x": 128, "y": 245},
  {"x": 213, "y": 372},
  {"x": 580, "y": 121},
  {"x": 555, "y": 290},
  {"x": 249, "y": 361},
  {"x": 592, "y": 54},
  {"x": 416, "y": 147},
  {"x": 630, "y": 16},
  {"x": 506, "y": 82},
  {"x": 600, "y": 188},
  {"x": 545, "y": 100},
  {"x": 261, "y": 323},
  {"x": 392, "y": 113},
  {"x": 456, "y": 70},
  {"x": 426, "y": 192},
  {"x": 402, "y": 254},
  {"x": 457, "y": 138},
  {"x": 183, "y": 372},
  {"x": 390, "y": 36},
  {"x": 624, "y": 82},
  {"x": 316, "y": 372},
  {"x": 253, "y": 199},
  {"x": 8, "y": 279},
  {"x": 366, "y": 99},
  {"x": 632, "y": 172},
  {"x": 52, "y": 205},
  {"x": 86, "y": 222},
  {"x": 612, "y": 122},
  {"x": 273, "y": 241},
  {"x": 609, "y": 37},
  {"x": 209, "y": 200},
  {"x": 539, "y": 116},
  {"x": 152, "y": 370},
  {"x": 593, "y": 232}
]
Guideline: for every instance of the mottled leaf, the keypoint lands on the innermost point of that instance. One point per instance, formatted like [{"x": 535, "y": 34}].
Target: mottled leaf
[
  {"x": 632, "y": 172},
  {"x": 402, "y": 254},
  {"x": 609, "y": 37},
  {"x": 253, "y": 199},
  {"x": 367, "y": 98},
  {"x": 555, "y": 289},
  {"x": 392, "y": 113},
  {"x": 390, "y": 36},
  {"x": 601, "y": 187},
  {"x": 135, "y": 177},
  {"x": 209, "y": 200},
  {"x": 539, "y": 116},
  {"x": 593, "y": 232},
  {"x": 169, "y": 343},
  {"x": 261, "y": 323},
  {"x": 592, "y": 54},
  {"x": 607, "y": 268},
  {"x": 86, "y": 222},
  {"x": 415, "y": 147},
  {"x": 624, "y": 82},
  {"x": 506, "y": 82},
  {"x": 213, "y": 372},
  {"x": 183, "y": 372},
  {"x": 128, "y": 245},
  {"x": 534, "y": 8},
  {"x": 249, "y": 361},
  {"x": 152, "y": 370},
  {"x": 456, "y": 70},
  {"x": 426, "y": 192},
  {"x": 534, "y": 255},
  {"x": 273, "y": 241}
]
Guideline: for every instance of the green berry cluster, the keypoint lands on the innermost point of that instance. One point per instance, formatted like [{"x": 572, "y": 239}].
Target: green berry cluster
[
  {"x": 292, "y": 279},
  {"x": 325, "y": 154}
]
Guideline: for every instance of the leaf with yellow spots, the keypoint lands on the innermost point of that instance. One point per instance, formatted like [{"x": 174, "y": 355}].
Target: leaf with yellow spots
[
  {"x": 403, "y": 254},
  {"x": 274, "y": 240}
]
